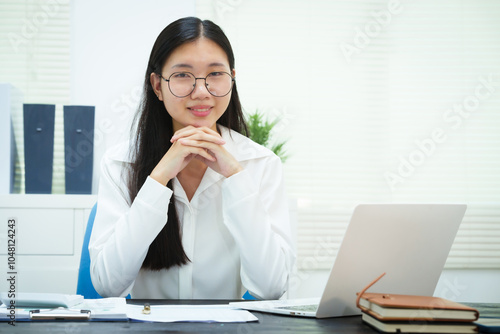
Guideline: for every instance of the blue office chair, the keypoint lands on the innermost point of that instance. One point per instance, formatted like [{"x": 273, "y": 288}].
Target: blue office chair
[
  {"x": 248, "y": 296},
  {"x": 85, "y": 286}
]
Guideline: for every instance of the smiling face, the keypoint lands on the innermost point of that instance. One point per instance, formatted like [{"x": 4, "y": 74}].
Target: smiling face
[{"x": 200, "y": 108}]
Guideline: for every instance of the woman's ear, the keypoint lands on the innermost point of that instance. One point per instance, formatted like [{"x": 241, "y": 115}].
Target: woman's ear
[
  {"x": 233, "y": 73},
  {"x": 156, "y": 84}
]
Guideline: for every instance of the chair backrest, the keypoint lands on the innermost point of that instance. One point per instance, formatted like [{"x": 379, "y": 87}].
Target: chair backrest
[{"x": 84, "y": 286}]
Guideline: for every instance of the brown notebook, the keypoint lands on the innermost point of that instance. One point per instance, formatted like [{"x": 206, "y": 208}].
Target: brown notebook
[
  {"x": 420, "y": 326},
  {"x": 393, "y": 307}
]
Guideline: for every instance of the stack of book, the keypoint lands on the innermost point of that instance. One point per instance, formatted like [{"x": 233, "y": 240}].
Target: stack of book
[{"x": 391, "y": 313}]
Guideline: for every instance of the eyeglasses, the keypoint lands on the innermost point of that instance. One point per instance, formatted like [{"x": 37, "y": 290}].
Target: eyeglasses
[{"x": 182, "y": 84}]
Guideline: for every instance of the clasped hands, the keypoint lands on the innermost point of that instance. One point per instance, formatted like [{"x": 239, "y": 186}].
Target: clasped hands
[{"x": 191, "y": 143}]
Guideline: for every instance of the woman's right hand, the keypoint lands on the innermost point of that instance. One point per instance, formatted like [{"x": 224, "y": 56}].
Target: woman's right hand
[{"x": 179, "y": 155}]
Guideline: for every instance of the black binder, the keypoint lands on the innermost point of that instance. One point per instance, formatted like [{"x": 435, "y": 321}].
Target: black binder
[
  {"x": 38, "y": 147},
  {"x": 79, "y": 148}
]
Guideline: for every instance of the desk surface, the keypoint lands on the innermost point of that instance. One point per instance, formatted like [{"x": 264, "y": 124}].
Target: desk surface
[{"x": 268, "y": 323}]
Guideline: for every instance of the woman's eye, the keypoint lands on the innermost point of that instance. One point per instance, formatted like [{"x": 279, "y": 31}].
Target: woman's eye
[{"x": 181, "y": 75}]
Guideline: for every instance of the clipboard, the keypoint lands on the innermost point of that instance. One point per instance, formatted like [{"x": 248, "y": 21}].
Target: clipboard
[{"x": 60, "y": 313}]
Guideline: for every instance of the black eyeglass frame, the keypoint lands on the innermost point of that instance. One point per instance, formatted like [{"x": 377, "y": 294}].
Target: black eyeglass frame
[{"x": 194, "y": 86}]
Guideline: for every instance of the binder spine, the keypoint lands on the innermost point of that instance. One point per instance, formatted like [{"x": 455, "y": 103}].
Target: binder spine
[
  {"x": 38, "y": 147},
  {"x": 79, "y": 148}
]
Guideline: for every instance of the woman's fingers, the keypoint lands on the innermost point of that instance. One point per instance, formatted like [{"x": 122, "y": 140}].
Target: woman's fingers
[
  {"x": 191, "y": 141},
  {"x": 202, "y": 133},
  {"x": 203, "y": 153},
  {"x": 176, "y": 159},
  {"x": 222, "y": 161},
  {"x": 201, "y": 143}
]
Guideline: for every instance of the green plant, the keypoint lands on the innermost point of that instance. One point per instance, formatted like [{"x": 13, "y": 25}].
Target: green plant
[{"x": 260, "y": 131}]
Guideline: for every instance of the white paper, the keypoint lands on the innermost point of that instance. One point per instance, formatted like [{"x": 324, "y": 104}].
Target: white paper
[
  {"x": 40, "y": 300},
  {"x": 105, "y": 308},
  {"x": 190, "y": 313},
  {"x": 118, "y": 310}
]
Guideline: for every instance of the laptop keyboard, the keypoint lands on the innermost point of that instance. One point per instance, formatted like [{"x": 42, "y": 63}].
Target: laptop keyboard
[{"x": 305, "y": 308}]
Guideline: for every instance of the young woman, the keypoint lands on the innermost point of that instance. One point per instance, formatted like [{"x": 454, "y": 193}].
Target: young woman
[{"x": 191, "y": 208}]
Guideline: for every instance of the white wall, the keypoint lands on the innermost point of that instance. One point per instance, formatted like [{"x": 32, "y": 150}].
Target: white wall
[
  {"x": 470, "y": 285},
  {"x": 111, "y": 41},
  {"x": 480, "y": 286}
]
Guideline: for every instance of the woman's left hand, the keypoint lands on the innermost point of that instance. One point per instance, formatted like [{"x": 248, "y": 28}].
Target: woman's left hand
[{"x": 224, "y": 164}]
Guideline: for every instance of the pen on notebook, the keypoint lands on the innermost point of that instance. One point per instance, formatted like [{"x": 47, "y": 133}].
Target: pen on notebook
[{"x": 147, "y": 309}]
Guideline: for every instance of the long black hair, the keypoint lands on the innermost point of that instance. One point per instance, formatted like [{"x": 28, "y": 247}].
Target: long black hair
[{"x": 154, "y": 130}]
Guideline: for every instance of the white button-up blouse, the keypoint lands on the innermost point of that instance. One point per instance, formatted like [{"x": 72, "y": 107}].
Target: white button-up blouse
[{"x": 235, "y": 231}]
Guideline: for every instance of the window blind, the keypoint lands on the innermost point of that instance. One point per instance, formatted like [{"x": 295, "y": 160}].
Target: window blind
[
  {"x": 35, "y": 59},
  {"x": 380, "y": 102}
]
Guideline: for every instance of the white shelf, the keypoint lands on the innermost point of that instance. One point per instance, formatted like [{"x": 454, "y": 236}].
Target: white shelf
[
  {"x": 48, "y": 201},
  {"x": 49, "y": 237}
]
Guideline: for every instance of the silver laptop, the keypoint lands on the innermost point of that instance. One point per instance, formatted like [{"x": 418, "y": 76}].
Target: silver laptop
[{"x": 409, "y": 242}]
